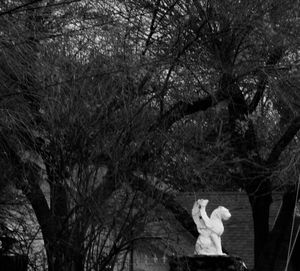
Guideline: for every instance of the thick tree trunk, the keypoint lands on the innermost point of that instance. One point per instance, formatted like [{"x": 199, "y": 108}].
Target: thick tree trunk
[
  {"x": 55, "y": 259},
  {"x": 260, "y": 200},
  {"x": 274, "y": 254},
  {"x": 295, "y": 260},
  {"x": 66, "y": 252},
  {"x": 260, "y": 212},
  {"x": 60, "y": 258}
]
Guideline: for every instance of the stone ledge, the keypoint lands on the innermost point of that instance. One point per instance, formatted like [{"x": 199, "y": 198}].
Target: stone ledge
[
  {"x": 207, "y": 263},
  {"x": 14, "y": 262}
]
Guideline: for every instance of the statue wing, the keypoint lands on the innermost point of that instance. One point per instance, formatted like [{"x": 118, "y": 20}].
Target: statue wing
[
  {"x": 196, "y": 217},
  {"x": 205, "y": 218}
]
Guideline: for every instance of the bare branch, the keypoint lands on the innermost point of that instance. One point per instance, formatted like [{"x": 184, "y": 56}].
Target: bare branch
[
  {"x": 274, "y": 58},
  {"x": 17, "y": 8},
  {"x": 152, "y": 27},
  {"x": 182, "y": 109},
  {"x": 29, "y": 6},
  {"x": 39, "y": 204},
  {"x": 282, "y": 143},
  {"x": 168, "y": 201}
]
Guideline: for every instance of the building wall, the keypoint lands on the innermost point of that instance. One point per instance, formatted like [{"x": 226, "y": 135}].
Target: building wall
[{"x": 150, "y": 262}]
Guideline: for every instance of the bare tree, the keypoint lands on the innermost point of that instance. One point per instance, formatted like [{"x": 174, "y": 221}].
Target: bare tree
[{"x": 114, "y": 86}]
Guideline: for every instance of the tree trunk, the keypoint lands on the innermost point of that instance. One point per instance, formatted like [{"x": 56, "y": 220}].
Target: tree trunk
[
  {"x": 55, "y": 258},
  {"x": 61, "y": 258},
  {"x": 260, "y": 203},
  {"x": 274, "y": 254},
  {"x": 295, "y": 260}
]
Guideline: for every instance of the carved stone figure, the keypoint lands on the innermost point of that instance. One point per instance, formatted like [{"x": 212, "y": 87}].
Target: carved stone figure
[{"x": 210, "y": 228}]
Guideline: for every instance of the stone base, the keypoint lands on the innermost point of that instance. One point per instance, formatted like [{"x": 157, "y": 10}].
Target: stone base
[
  {"x": 207, "y": 263},
  {"x": 13, "y": 262}
]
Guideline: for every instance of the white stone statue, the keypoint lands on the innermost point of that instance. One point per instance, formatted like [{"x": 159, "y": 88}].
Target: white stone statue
[{"x": 210, "y": 229}]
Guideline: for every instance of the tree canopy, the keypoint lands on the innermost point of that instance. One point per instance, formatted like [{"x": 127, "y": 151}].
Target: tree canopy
[{"x": 150, "y": 98}]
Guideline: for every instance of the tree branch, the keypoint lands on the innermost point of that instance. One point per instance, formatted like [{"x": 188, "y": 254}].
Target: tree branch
[
  {"x": 284, "y": 141},
  {"x": 152, "y": 27},
  {"x": 14, "y": 9},
  {"x": 273, "y": 59},
  {"x": 102, "y": 192},
  {"x": 36, "y": 197},
  {"x": 261, "y": 85},
  {"x": 182, "y": 109},
  {"x": 168, "y": 201}
]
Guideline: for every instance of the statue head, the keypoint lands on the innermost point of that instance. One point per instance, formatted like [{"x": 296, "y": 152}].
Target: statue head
[{"x": 222, "y": 213}]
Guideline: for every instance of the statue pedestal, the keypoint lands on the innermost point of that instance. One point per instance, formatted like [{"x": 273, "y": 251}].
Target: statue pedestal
[
  {"x": 14, "y": 262},
  {"x": 207, "y": 263}
]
